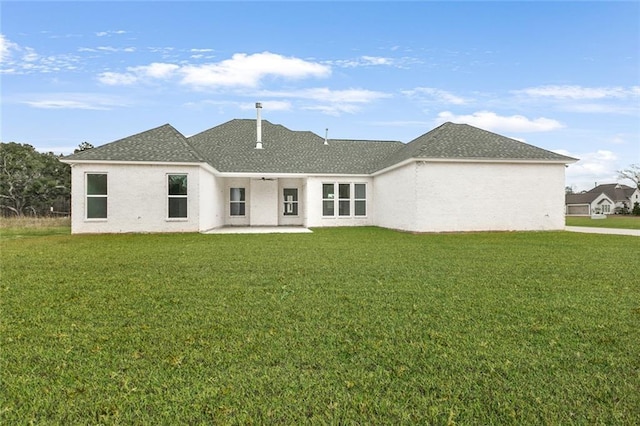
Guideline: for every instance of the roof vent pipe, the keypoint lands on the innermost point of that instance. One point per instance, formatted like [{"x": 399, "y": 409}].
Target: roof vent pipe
[
  {"x": 258, "y": 127},
  {"x": 326, "y": 134}
]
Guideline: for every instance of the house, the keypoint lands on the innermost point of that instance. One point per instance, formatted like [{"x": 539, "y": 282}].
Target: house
[
  {"x": 249, "y": 172},
  {"x": 605, "y": 199}
]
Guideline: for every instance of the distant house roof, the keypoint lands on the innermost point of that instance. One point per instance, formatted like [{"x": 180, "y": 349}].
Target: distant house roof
[
  {"x": 231, "y": 147},
  {"x": 584, "y": 198},
  {"x": 616, "y": 192}
]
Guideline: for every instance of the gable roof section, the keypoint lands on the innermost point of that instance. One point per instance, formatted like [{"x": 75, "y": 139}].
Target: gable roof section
[
  {"x": 464, "y": 142},
  {"x": 230, "y": 147},
  {"x": 162, "y": 144}
]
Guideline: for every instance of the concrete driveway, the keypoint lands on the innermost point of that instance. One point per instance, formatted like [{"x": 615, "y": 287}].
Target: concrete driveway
[{"x": 611, "y": 231}]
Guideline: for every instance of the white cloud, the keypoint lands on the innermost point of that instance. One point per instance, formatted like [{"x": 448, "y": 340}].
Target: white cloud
[
  {"x": 16, "y": 59},
  {"x": 591, "y": 108},
  {"x": 117, "y": 79},
  {"x": 363, "y": 61},
  {"x": 331, "y": 102},
  {"x": 599, "y": 166},
  {"x": 618, "y": 139},
  {"x": 376, "y": 60},
  {"x": 334, "y": 109},
  {"x": 244, "y": 70},
  {"x": 491, "y": 121},
  {"x": 579, "y": 92},
  {"x": 430, "y": 93},
  {"x": 241, "y": 70},
  {"x": 7, "y": 48},
  {"x": 109, "y": 33},
  {"x": 156, "y": 70},
  {"x": 62, "y": 104},
  {"x": 86, "y": 101},
  {"x": 268, "y": 105},
  {"x": 325, "y": 94}
]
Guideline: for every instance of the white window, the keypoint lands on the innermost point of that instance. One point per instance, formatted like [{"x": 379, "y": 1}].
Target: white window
[
  {"x": 344, "y": 199},
  {"x": 237, "y": 203},
  {"x": 177, "y": 195},
  {"x": 328, "y": 199},
  {"x": 360, "y": 199},
  {"x": 290, "y": 201},
  {"x": 606, "y": 208},
  {"x": 351, "y": 199},
  {"x": 96, "y": 195}
]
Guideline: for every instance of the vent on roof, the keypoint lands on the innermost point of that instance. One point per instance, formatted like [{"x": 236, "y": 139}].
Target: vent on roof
[
  {"x": 326, "y": 134},
  {"x": 258, "y": 127}
]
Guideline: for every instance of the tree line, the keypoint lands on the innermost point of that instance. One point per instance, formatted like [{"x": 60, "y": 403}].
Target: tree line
[{"x": 34, "y": 183}]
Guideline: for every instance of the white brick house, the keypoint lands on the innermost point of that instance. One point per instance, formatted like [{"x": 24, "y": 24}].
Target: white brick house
[{"x": 255, "y": 173}]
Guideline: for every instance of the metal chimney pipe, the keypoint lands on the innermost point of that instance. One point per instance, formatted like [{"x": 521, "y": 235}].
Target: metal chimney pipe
[{"x": 258, "y": 127}]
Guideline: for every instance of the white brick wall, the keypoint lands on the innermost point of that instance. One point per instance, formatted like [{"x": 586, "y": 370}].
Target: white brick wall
[
  {"x": 137, "y": 199},
  {"x": 443, "y": 197},
  {"x": 420, "y": 196}
]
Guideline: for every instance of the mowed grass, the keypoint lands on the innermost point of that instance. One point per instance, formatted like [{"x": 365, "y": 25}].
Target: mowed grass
[
  {"x": 342, "y": 326},
  {"x": 612, "y": 221}
]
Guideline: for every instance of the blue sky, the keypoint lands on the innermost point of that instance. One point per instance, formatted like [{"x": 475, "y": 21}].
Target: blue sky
[{"x": 564, "y": 76}]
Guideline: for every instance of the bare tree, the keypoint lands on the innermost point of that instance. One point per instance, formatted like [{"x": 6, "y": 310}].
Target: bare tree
[{"x": 632, "y": 173}]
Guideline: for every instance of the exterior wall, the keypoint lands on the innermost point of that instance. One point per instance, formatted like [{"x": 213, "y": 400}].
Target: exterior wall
[
  {"x": 263, "y": 202},
  {"x": 313, "y": 203},
  {"x": 634, "y": 198},
  {"x": 489, "y": 197},
  {"x": 236, "y": 183},
  {"x": 212, "y": 205},
  {"x": 598, "y": 205},
  {"x": 136, "y": 199},
  {"x": 419, "y": 196},
  {"x": 395, "y": 195},
  {"x": 300, "y": 184}
]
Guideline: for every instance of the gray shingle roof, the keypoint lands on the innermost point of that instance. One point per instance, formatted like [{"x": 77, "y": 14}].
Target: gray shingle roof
[
  {"x": 584, "y": 198},
  {"x": 615, "y": 191},
  {"x": 462, "y": 141},
  {"x": 162, "y": 144},
  {"x": 230, "y": 147}
]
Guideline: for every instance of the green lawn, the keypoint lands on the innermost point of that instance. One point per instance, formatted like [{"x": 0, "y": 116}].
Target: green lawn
[
  {"x": 342, "y": 326},
  {"x": 612, "y": 221}
]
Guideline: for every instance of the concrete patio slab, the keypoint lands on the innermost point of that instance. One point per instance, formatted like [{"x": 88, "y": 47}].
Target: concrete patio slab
[{"x": 259, "y": 230}]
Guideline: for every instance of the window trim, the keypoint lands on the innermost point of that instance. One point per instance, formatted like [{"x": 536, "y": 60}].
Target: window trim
[
  {"x": 242, "y": 201},
  {"x": 356, "y": 199},
  {"x": 295, "y": 204},
  {"x": 352, "y": 200},
  {"x": 332, "y": 198},
  {"x": 177, "y": 196},
  {"x": 87, "y": 196}
]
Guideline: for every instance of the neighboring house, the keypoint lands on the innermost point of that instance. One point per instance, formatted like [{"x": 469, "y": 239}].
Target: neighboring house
[
  {"x": 604, "y": 199},
  {"x": 255, "y": 173}
]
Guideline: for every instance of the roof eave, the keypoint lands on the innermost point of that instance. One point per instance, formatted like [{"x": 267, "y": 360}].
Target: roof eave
[
  {"x": 474, "y": 160},
  {"x": 137, "y": 163}
]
